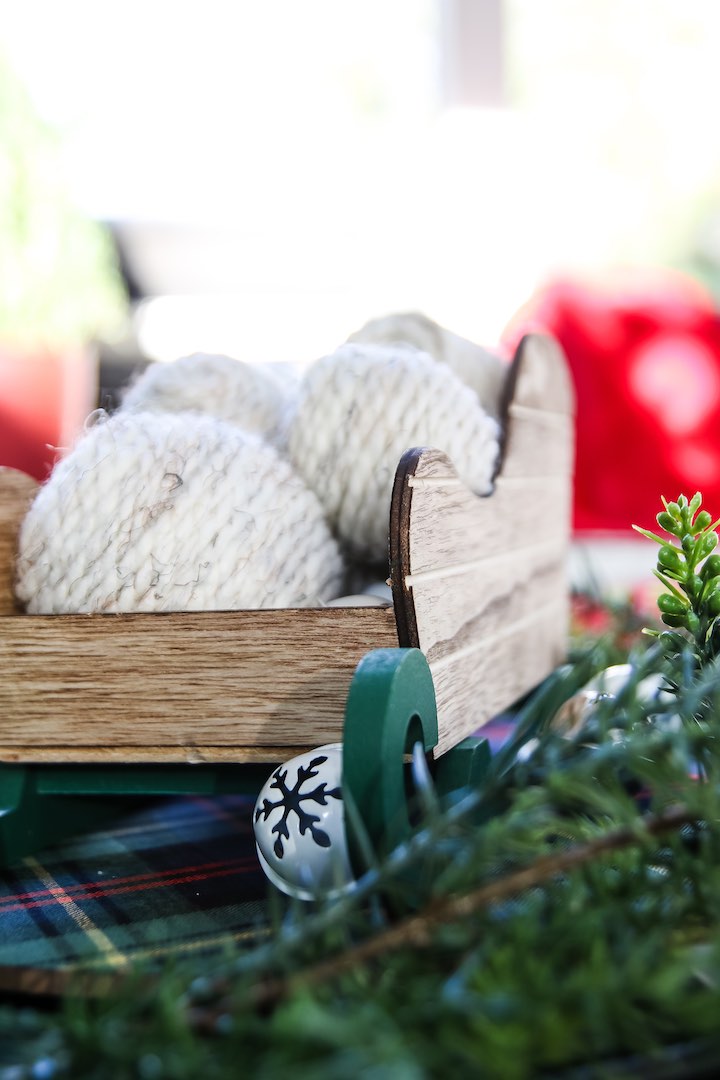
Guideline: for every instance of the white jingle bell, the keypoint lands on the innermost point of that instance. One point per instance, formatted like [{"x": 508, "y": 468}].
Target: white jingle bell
[
  {"x": 613, "y": 679},
  {"x": 299, "y": 823},
  {"x": 609, "y": 683}
]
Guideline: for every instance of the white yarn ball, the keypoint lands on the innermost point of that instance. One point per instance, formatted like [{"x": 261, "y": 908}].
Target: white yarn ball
[
  {"x": 155, "y": 512},
  {"x": 254, "y": 397},
  {"x": 358, "y": 410},
  {"x": 479, "y": 368}
]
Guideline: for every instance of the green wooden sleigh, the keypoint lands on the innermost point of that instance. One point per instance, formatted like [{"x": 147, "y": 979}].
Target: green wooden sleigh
[{"x": 96, "y": 708}]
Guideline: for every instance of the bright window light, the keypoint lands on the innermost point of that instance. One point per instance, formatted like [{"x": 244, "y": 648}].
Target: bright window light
[{"x": 306, "y": 154}]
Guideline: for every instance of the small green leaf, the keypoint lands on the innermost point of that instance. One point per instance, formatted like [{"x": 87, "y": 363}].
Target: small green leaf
[
  {"x": 671, "y": 604},
  {"x": 688, "y": 543},
  {"x": 664, "y": 575},
  {"x": 669, "y": 585},
  {"x": 710, "y": 568},
  {"x": 705, "y": 544},
  {"x": 669, "y": 558},
  {"x": 701, "y": 522},
  {"x": 668, "y": 523},
  {"x": 670, "y": 637},
  {"x": 650, "y": 535},
  {"x": 694, "y": 586}
]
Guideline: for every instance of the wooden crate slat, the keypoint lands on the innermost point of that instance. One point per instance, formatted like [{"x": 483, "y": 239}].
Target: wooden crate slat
[
  {"x": 503, "y": 667},
  {"x": 537, "y": 448},
  {"x": 188, "y": 680},
  {"x": 448, "y": 620},
  {"x": 468, "y": 529},
  {"x": 149, "y": 755},
  {"x": 541, "y": 379},
  {"x": 481, "y": 583}
]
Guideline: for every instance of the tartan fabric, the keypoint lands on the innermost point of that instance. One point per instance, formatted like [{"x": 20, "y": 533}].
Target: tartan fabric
[{"x": 176, "y": 876}]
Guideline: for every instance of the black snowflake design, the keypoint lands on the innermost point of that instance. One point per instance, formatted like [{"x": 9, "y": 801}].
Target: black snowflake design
[{"x": 291, "y": 801}]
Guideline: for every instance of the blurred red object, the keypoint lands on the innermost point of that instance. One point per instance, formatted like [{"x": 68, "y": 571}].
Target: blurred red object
[
  {"x": 644, "y": 352},
  {"x": 45, "y": 398}
]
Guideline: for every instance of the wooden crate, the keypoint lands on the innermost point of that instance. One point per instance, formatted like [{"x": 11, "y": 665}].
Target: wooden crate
[{"x": 479, "y": 585}]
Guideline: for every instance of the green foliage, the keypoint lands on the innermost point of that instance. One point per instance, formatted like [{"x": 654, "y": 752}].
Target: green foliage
[
  {"x": 690, "y": 572},
  {"x": 566, "y": 915}
]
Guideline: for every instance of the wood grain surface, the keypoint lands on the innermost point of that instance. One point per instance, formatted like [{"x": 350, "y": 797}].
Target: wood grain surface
[
  {"x": 479, "y": 585},
  {"x": 182, "y": 686},
  {"x": 481, "y": 582}
]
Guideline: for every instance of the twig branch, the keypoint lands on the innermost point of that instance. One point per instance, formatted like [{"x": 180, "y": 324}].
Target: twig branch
[{"x": 417, "y": 931}]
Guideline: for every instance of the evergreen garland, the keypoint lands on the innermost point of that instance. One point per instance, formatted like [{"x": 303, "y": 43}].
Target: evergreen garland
[{"x": 564, "y": 920}]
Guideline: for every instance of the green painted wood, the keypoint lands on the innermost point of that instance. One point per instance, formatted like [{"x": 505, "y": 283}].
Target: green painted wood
[
  {"x": 42, "y": 804},
  {"x": 151, "y": 780},
  {"x": 31, "y": 821},
  {"x": 465, "y": 766},
  {"x": 390, "y": 707}
]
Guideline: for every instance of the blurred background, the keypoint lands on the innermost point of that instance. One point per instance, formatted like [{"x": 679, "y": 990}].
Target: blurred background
[{"x": 260, "y": 179}]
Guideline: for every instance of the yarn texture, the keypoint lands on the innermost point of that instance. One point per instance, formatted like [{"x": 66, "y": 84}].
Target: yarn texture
[
  {"x": 254, "y": 397},
  {"x": 481, "y": 370},
  {"x": 358, "y": 410},
  {"x": 157, "y": 512},
  {"x": 223, "y": 485}
]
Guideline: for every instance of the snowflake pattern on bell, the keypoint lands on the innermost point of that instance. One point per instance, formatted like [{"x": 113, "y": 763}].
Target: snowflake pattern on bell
[
  {"x": 299, "y": 824},
  {"x": 291, "y": 802}
]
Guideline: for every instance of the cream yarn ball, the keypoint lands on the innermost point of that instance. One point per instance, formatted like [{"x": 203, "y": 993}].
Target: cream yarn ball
[
  {"x": 255, "y": 397},
  {"x": 358, "y": 410},
  {"x": 481, "y": 370},
  {"x": 157, "y": 512}
]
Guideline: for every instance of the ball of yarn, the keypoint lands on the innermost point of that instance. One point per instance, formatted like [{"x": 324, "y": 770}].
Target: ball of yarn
[
  {"x": 156, "y": 512},
  {"x": 358, "y": 410},
  {"x": 255, "y": 397},
  {"x": 478, "y": 368}
]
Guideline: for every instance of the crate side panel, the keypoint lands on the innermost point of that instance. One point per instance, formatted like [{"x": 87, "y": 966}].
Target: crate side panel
[
  {"x": 475, "y": 684},
  {"x": 183, "y": 680}
]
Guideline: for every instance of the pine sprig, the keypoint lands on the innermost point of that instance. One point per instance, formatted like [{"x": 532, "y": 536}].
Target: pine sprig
[
  {"x": 690, "y": 573},
  {"x": 419, "y": 931},
  {"x": 563, "y": 929}
]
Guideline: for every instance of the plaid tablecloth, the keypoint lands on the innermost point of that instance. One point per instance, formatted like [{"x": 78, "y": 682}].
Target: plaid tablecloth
[
  {"x": 172, "y": 877},
  {"x": 168, "y": 878}
]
